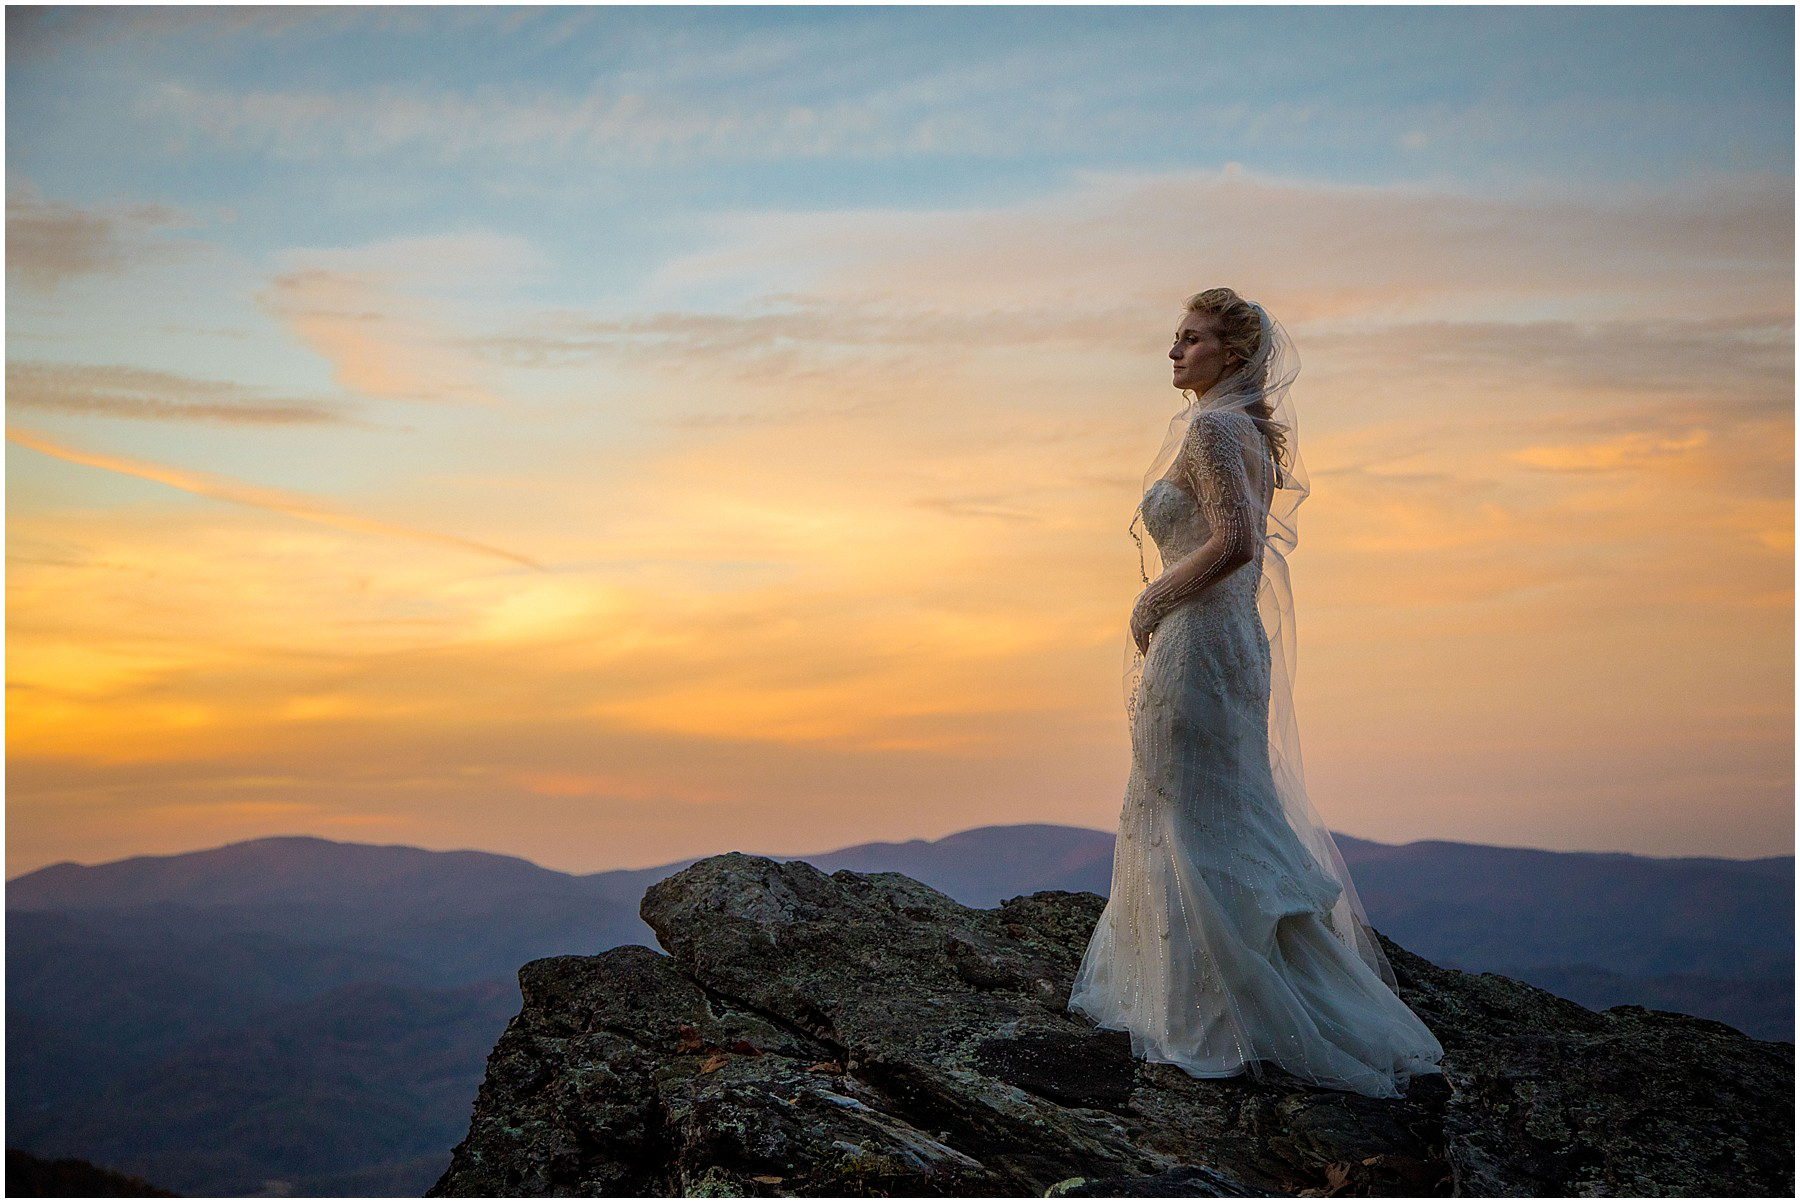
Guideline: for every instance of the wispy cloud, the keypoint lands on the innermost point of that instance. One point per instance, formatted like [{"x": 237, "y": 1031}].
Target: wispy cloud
[
  {"x": 1540, "y": 304},
  {"x": 660, "y": 96},
  {"x": 50, "y": 242},
  {"x": 606, "y": 125},
  {"x": 123, "y": 392},
  {"x": 1397, "y": 252},
  {"x": 293, "y": 505},
  {"x": 1732, "y": 362},
  {"x": 1626, "y": 451},
  {"x": 1673, "y": 292},
  {"x": 386, "y": 316},
  {"x": 34, "y": 33},
  {"x": 767, "y": 326}
]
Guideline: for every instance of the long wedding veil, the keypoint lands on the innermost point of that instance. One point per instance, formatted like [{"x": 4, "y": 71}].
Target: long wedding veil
[{"x": 1268, "y": 375}]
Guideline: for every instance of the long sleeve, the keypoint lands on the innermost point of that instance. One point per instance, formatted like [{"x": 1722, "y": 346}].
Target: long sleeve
[
  {"x": 1215, "y": 465},
  {"x": 1212, "y": 463}
]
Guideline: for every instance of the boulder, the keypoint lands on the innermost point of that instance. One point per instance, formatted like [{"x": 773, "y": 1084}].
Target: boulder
[{"x": 862, "y": 1034}]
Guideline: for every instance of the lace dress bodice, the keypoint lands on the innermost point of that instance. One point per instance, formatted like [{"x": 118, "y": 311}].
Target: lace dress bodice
[
  {"x": 1179, "y": 526},
  {"x": 1174, "y": 520}
]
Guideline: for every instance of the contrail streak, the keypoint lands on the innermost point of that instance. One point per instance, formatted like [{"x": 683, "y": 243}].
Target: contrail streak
[{"x": 223, "y": 489}]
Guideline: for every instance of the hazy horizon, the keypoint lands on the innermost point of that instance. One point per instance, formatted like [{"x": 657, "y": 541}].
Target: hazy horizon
[
  {"x": 594, "y": 434},
  {"x": 800, "y": 854}
]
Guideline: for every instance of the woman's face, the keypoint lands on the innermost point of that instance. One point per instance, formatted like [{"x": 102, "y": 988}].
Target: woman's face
[{"x": 1199, "y": 357}]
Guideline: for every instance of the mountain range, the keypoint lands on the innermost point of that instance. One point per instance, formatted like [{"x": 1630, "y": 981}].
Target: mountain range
[{"x": 294, "y": 1015}]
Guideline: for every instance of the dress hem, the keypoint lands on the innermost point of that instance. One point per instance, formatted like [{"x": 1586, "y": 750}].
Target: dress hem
[{"x": 1398, "y": 1083}]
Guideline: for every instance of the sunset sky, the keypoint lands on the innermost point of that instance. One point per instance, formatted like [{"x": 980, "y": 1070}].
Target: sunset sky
[{"x": 614, "y": 435}]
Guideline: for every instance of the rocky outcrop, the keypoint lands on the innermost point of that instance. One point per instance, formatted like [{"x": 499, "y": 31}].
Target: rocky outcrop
[{"x": 862, "y": 1034}]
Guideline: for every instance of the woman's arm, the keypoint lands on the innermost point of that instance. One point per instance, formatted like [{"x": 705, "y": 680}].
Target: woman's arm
[
  {"x": 1213, "y": 560},
  {"x": 1214, "y": 465}
]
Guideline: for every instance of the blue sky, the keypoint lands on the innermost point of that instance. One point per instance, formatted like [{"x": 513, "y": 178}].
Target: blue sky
[{"x": 504, "y": 118}]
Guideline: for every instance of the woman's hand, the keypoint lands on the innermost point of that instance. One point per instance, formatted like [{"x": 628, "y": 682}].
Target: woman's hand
[{"x": 1144, "y": 617}]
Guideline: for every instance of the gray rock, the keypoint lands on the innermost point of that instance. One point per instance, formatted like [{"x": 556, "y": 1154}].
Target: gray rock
[
  {"x": 1554, "y": 1100},
  {"x": 863, "y": 1034}
]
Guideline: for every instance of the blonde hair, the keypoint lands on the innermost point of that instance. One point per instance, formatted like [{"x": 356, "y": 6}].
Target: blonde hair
[{"x": 1240, "y": 329}]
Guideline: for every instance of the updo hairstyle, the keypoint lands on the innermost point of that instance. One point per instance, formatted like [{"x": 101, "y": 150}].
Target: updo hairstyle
[{"x": 1240, "y": 330}]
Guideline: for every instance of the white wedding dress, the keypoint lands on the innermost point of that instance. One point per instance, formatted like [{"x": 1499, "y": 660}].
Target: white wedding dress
[{"x": 1225, "y": 942}]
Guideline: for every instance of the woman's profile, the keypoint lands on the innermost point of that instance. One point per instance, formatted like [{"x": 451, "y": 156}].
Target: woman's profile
[{"x": 1233, "y": 937}]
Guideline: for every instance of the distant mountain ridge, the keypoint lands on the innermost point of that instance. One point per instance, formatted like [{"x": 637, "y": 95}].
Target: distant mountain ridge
[
  {"x": 288, "y": 868},
  {"x": 388, "y": 971},
  {"x": 1469, "y": 905},
  {"x": 298, "y": 869}
]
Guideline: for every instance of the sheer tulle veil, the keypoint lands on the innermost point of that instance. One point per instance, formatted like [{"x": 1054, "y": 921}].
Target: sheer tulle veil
[{"x": 1269, "y": 375}]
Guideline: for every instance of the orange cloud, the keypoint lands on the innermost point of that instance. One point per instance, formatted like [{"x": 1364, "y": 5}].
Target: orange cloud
[
  {"x": 294, "y": 506},
  {"x": 379, "y": 342},
  {"x": 386, "y": 316},
  {"x": 1627, "y": 451}
]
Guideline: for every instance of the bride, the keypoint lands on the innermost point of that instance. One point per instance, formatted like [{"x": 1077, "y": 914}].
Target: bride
[{"x": 1233, "y": 937}]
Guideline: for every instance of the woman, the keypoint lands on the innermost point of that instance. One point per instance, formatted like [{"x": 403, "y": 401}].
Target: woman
[{"x": 1233, "y": 937}]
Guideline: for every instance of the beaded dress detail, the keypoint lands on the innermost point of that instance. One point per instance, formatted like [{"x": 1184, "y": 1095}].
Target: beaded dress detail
[{"x": 1227, "y": 941}]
